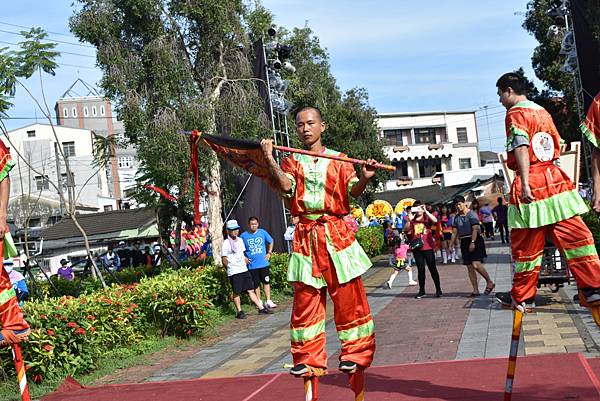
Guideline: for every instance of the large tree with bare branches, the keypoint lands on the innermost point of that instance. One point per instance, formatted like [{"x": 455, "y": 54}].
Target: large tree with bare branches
[{"x": 172, "y": 65}]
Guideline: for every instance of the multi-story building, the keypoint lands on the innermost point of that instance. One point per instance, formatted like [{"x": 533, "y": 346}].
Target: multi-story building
[
  {"x": 432, "y": 147},
  {"x": 40, "y": 173},
  {"x": 82, "y": 106}
]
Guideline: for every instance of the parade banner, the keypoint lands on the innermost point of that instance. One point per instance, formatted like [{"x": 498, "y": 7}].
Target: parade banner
[{"x": 379, "y": 209}]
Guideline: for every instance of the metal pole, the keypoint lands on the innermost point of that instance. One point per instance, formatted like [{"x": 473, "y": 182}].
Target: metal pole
[{"x": 58, "y": 175}]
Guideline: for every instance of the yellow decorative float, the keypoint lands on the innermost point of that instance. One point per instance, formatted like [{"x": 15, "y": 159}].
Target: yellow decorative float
[
  {"x": 357, "y": 212},
  {"x": 379, "y": 209},
  {"x": 403, "y": 204}
]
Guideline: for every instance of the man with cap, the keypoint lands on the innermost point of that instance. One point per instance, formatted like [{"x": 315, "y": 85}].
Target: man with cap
[
  {"x": 17, "y": 280},
  {"x": 235, "y": 261},
  {"x": 124, "y": 255},
  {"x": 543, "y": 201},
  {"x": 65, "y": 271},
  {"x": 13, "y": 327}
]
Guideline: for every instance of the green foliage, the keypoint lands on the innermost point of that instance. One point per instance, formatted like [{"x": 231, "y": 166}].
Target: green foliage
[
  {"x": 68, "y": 334},
  {"x": 592, "y": 220},
  {"x": 371, "y": 240}
]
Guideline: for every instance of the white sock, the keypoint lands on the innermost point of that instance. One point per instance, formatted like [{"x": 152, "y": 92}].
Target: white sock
[
  {"x": 444, "y": 256},
  {"x": 410, "y": 277}
]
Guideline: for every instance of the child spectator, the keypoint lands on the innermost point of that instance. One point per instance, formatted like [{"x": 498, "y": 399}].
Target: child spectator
[{"x": 400, "y": 258}]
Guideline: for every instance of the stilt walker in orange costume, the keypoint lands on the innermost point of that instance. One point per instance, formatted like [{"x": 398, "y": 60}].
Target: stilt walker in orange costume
[
  {"x": 543, "y": 201},
  {"x": 14, "y": 328},
  {"x": 326, "y": 257}
]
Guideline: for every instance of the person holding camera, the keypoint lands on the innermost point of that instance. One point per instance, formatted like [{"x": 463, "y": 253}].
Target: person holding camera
[{"x": 422, "y": 245}]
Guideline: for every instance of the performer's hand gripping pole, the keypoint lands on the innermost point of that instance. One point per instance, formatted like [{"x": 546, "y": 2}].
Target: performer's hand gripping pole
[
  {"x": 512, "y": 358},
  {"x": 357, "y": 383}
]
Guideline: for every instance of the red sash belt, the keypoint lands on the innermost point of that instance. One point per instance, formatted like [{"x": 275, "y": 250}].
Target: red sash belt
[{"x": 318, "y": 241}]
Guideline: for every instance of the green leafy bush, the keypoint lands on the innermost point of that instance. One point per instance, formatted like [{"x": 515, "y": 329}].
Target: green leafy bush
[{"x": 371, "y": 240}]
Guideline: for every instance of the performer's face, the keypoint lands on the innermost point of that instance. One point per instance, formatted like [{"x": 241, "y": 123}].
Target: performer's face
[
  {"x": 309, "y": 127},
  {"x": 505, "y": 97}
]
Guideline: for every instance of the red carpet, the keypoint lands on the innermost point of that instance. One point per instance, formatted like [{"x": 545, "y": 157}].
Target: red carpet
[{"x": 538, "y": 378}]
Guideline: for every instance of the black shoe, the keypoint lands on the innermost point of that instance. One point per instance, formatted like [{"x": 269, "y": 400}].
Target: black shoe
[
  {"x": 348, "y": 366},
  {"x": 387, "y": 285},
  {"x": 265, "y": 311},
  {"x": 240, "y": 315},
  {"x": 592, "y": 295},
  {"x": 504, "y": 298},
  {"x": 420, "y": 295},
  {"x": 299, "y": 370},
  {"x": 439, "y": 294}
]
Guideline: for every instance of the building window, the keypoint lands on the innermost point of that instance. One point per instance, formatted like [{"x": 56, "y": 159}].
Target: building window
[
  {"x": 108, "y": 208},
  {"x": 86, "y": 112},
  {"x": 65, "y": 183},
  {"x": 401, "y": 169},
  {"x": 94, "y": 111},
  {"x": 428, "y": 167},
  {"x": 125, "y": 161},
  {"x": 53, "y": 220},
  {"x": 102, "y": 110},
  {"x": 461, "y": 133},
  {"x": 35, "y": 222},
  {"x": 464, "y": 163},
  {"x": 42, "y": 183},
  {"x": 392, "y": 137},
  {"x": 65, "y": 112},
  {"x": 424, "y": 135},
  {"x": 31, "y": 134},
  {"x": 68, "y": 149},
  {"x": 74, "y": 112}
]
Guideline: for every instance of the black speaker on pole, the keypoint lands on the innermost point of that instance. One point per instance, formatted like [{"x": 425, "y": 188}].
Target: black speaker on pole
[{"x": 585, "y": 15}]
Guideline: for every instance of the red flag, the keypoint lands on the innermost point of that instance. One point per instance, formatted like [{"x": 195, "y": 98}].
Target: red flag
[{"x": 242, "y": 153}]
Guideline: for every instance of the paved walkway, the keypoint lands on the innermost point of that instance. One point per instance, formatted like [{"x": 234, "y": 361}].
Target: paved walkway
[{"x": 413, "y": 330}]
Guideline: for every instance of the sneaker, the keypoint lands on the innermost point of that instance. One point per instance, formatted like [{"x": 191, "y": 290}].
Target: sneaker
[
  {"x": 348, "y": 366},
  {"x": 439, "y": 294},
  {"x": 265, "y": 311},
  {"x": 271, "y": 304},
  {"x": 592, "y": 295},
  {"x": 240, "y": 315},
  {"x": 15, "y": 337},
  {"x": 504, "y": 298},
  {"x": 387, "y": 285},
  {"x": 420, "y": 295},
  {"x": 412, "y": 282},
  {"x": 299, "y": 370}
]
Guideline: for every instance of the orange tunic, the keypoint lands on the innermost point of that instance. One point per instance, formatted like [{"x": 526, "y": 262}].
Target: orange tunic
[{"x": 591, "y": 126}]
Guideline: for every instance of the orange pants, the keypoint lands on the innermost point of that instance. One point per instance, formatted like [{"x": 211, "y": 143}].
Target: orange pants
[
  {"x": 352, "y": 318},
  {"x": 11, "y": 317},
  {"x": 574, "y": 240}
]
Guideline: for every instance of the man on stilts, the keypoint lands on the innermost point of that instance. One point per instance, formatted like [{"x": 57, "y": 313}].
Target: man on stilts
[
  {"x": 543, "y": 201},
  {"x": 326, "y": 256},
  {"x": 591, "y": 130},
  {"x": 13, "y": 327}
]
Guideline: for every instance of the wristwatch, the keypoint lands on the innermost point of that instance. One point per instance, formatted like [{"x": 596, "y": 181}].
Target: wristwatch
[{"x": 472, "y": 241}]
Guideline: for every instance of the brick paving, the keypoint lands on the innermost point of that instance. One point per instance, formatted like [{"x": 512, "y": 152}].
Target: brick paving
[{"x": 412, "y": 330}]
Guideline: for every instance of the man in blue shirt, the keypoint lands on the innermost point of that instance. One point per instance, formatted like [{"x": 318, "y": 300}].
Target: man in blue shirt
[{"x": 259, "y": 246}]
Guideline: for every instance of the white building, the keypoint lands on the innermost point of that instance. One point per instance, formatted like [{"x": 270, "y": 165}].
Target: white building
[
  {"x": 432, "y": 147},
  {"x": 39, "y": 146}
]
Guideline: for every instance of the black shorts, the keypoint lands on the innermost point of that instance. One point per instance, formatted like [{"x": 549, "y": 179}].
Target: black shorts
[
  {"x": 447, "y": 236},
  {"x": 241, "y": 282},
  {"x": 260, "y": 276},
  {"x": 478, "y": 255}
]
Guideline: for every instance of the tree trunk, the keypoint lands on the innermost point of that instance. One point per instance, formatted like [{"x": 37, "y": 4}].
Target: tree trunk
[
  {"x": 215, "y": 205},
  {"x": 95, "y": 271}
]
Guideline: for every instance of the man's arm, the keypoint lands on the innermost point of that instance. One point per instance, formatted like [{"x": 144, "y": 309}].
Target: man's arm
[
  {"x": 4, "y": 195},
  {"x": 522, "y": 158},
  {"x": 596, "y": 178},
  {"x": 282, "y": 180},
  {"x": 224, "y": 261}
]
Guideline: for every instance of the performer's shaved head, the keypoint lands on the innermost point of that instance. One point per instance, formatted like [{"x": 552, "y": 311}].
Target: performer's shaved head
[{"x": 315, "y": 109}]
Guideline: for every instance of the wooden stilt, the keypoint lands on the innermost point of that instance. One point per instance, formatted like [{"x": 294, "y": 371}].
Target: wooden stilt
[
  {"x": 596, "y": 314},
  {"x": 357, "y": 383},
  {"x": 311, "y": 388},
  {"x": 514, "y": 350},
  {"x": 21, "y": 376}
]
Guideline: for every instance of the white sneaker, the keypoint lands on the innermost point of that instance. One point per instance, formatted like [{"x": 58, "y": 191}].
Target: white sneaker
[
  {"x": 412, "y": 282},
  {"x": 271, "y": 304}
]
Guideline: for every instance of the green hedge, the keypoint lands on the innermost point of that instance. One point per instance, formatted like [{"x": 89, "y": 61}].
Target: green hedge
[
  {"x": 69, "y": 334},
  {"x": 371, "y": 239}
]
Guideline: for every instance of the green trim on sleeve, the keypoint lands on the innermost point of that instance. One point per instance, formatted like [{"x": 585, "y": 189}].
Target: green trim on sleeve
[
  {"x": 513, "y": 132},
  {"x": 590, "y": 135},
  {"x": 7, "y": 167}
]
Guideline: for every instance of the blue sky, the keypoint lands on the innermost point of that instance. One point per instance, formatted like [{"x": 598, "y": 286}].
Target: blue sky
[{"x": 410, "y": 56}]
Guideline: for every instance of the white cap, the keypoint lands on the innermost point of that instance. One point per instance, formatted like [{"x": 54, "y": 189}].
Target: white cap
[{"x": 232, "y": 225}]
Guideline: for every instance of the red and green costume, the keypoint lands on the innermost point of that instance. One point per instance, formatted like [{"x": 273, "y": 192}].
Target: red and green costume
[
  {"x": 11, "y": 318},
  {"x": 326, "y": 258},
  {"x": 555, "y": 211},
  {"x": 591, "y": 126}
]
